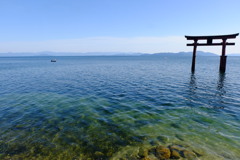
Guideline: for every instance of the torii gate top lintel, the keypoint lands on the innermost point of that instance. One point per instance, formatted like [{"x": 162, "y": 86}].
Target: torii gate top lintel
[
  {"x": 229, "y": 36},
  {"x": 209, "y": 42}
]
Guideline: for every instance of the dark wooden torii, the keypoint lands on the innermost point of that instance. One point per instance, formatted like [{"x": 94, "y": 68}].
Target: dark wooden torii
[{"x": 209, "y": 42}]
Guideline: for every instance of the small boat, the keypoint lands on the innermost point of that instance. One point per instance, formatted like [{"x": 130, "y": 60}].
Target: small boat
[{"x": 53, "y": 60}]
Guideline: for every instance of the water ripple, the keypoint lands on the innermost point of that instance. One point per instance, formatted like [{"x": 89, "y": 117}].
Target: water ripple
[{"x": 83, "y": 107}]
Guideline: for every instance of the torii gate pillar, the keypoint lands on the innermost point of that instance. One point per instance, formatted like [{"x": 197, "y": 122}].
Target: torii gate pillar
[
  {"x": 194, "y": 55},
  {"x": 223, "y": 58},
  {"x": 209, "y": 42}
]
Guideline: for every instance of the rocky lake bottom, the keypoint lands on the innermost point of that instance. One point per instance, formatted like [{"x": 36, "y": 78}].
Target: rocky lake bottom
[{"x": 118, "y": 108}]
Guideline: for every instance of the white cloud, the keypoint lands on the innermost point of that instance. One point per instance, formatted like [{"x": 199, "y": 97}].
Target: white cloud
[{"x": 112, "y": 44}]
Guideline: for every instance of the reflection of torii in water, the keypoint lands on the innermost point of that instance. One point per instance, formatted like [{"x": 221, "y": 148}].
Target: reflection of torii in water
[{"x": 209, "y": 39}]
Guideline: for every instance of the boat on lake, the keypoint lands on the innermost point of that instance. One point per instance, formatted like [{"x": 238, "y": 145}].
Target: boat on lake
[{"x": 53, "y": 60}]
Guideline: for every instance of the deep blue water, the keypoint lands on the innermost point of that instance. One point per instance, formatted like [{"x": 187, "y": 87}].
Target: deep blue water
[{"x": 91, "y": 107}]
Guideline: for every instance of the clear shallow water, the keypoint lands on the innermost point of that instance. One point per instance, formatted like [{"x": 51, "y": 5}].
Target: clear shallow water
[{"x": 108, "y": 107}]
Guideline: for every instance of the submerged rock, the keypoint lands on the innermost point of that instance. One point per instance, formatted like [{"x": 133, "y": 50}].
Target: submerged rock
[
  {"x": 175, "y": 148},
  {"x": 198, "y": 154},
  {"x": 155, "y": 143},
  {"x": 189, "y": 155},
  {"x": 175, "y": 155},
  {"x": 174, "y": 125},
  {"x": 162, "y": 152},
  {"x": 175, "y": 151},
  {"x": 143, "y": 152},
  {"x": 162, "y": 139},
  {"x": 180, "y": 137},
  {"x": 146, "y": 158},
  {"x": 98, "y": 155},
  {"x": 150, "y": 157}
]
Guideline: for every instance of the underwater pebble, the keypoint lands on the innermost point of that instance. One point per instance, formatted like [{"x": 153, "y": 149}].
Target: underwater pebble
[
  {"x": 162, "y": 153},
  {"x": 198, "y": 154},
  {"x": 178, "y": 136},
  {"x": 143, "y": 152},
  {"x": 176, "y": 148},
  {"x": 98, "y": 154},
  {"x": 154, "y": 142},
  {"x": 189, "y": 154},
  {"x": 150, "y": 157},
  {"x": 159, "y": 152},
  {"x": 162, "y": 139},
  {"x": 175, "y": 155}
]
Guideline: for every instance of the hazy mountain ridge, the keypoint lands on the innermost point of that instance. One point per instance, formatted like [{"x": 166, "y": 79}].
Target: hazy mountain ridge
[
  {"x": 48, "y": 53},
  {"x": 234, "y": 54},
  {"x": 199, "y": 53}
]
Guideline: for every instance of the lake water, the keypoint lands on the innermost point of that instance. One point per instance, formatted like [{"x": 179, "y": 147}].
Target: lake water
[{"x": 112, "y": 107}]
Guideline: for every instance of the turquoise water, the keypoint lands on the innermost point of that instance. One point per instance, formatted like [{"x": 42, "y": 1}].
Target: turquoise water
[{"x": 110, "y": 107}]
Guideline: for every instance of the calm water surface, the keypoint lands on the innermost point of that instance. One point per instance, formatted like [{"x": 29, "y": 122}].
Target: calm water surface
[{"x": 109, "y": 107}]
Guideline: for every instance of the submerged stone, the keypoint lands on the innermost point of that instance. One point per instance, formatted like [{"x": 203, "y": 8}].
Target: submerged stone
[
  {"x": 154, "y": 142},
  {"x": 162, "y": 152},
  {"x": 150, "y": 157},
  {"x": 143, "y": 152},
  {"x": 146, "y": 158},
  {"x": 98, "y": 154},
  {"x": 176, "y": 148},
  {"x": 175, "y": 155},
  {"x": 180, "y": 137},
  {"x": 20, "y": 126},
  {"x": 189, "y": 155},
  {"x": 174, "y": 125},
  {"x": 198, "y": 154},
  {"x": 162, "y": 139},
  {"x": 152, "y": 150}
]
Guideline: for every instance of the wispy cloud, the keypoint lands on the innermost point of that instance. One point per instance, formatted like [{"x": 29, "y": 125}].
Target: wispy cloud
[{"x": 110, "y": 44}]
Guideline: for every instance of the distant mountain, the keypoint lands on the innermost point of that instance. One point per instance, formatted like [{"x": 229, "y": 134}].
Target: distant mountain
[
  {"x": 105, "y": 54},
  {"x": 48, "y": 53},
  {"x": 234, "y": 54},
  {"x": 199, "y": 53},
  {"x": 11, "y": 54}
]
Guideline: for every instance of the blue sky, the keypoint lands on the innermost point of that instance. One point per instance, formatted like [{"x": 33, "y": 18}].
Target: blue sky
[{"x": 114, "y": 25}]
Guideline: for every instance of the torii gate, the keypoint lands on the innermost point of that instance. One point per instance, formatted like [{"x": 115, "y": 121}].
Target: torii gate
[{"x": 209, "y": 39}]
